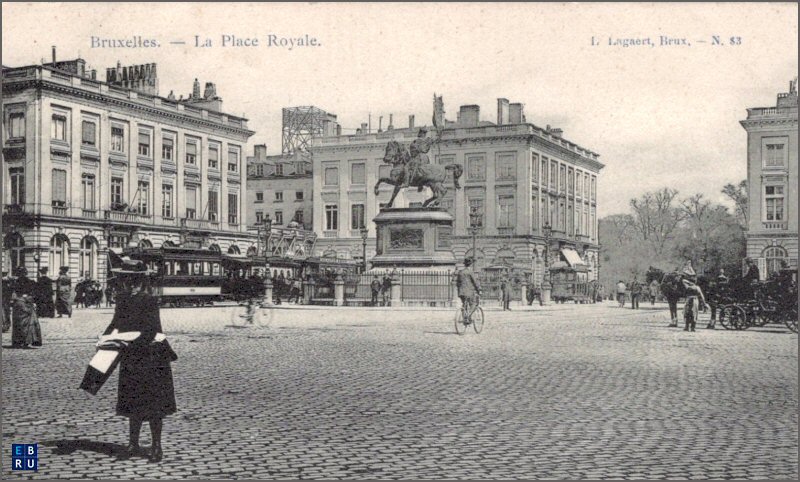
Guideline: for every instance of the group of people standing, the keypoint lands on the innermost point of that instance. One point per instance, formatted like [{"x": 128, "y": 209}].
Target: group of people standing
[
  {"x": 381, "y": 289},
  {"x": 26, "y": 301},
  {"x": 636, "y": 290}
]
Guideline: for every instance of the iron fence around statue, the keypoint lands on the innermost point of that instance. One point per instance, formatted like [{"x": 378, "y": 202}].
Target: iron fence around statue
[{"x": 431, "y": 286}]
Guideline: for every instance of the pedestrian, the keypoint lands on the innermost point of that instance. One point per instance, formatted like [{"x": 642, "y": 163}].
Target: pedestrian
[
  {"x": 109, "y": 294},
  {"x": 601, "y": 292},
  {"x": 375, "y": 289},
  {"x": 653, "y": 290},
  {"x": 8, "y": 288},
  {"x": 295, "y": 290},
  {"x": 26, "y": 331},
  {"x": 63, "y": 289},
  {"x": 44, "y": 295},
  {"x": 695, "y": 301},
  {"x": 621, "y": 288},
  {"x": 636, "y": 292},
  {"x": 146, "y": 390},
  {"x": 386, "y": 290},
  {"x": 505, "y": 293}
]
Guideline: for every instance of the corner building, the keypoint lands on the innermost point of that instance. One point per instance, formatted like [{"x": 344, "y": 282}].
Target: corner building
[
  {"x": 91, "y": 166},
  {"x": 772, "y": 182},
  {"x": 519, "y": 176}
]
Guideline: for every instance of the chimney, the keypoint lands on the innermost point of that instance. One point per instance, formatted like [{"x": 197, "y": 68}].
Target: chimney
[
  {"x": 260, "y": 151},
  {"x": 555, "y": 131},
  {"x": 469, "y": 115},
  {"x": 380, "y": 124},
  {"x": 364, "y": 128},
  {"x": 515, "y": 113},
  {"x": 338, "y": 129},
  {"x": 94, "y": 74},
  {"x": 391, "y": 122},
  {"x": 411, "y": 121},
  {"x": 54, "y": 54},
  {"x": 502, "y": 111},
  {"x": 196, "y": 89}
]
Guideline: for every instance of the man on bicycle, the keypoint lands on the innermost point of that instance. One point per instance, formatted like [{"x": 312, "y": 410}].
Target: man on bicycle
[{"x": 468, "y": 288}]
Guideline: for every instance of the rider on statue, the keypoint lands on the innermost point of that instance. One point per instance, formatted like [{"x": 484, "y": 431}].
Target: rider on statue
[{"x": 418, "y": 150}]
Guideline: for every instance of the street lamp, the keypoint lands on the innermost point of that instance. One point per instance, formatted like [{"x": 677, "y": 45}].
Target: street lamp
[
  {"x": 364, "y": 234},
  {"x": 548, "y": 232},
  {"x": 267, "y": 222},
  {"x": 474, "y": 227}
]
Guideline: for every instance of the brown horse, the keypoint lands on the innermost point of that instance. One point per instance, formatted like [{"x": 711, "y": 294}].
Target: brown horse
[{"x": 428, "y": 175}]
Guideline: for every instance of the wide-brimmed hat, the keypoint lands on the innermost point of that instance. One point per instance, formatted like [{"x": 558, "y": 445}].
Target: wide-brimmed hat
[{"x": 63, "y": 269}]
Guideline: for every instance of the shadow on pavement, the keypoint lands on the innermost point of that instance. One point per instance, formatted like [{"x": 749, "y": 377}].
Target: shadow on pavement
[{"x": 66, "y": 447}]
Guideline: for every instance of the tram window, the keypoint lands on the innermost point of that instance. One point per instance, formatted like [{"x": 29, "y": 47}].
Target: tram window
[
  {"x": 183, "y": 268},
  {"x": 215, "y": 269},
  {"x": 197, "y": 268},
  {"x": 206, "y": 268},
  {"x": 168, "y": 268}
]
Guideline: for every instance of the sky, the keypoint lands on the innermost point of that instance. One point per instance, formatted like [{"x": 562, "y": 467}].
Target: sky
[{"x": 662, "y": 115}]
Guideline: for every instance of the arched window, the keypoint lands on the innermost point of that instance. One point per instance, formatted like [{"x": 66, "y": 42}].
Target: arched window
[
  {"x": 214, "y": 248},
  {"x": 14, "y": 246},
  {"x": 168, "y": 244},
  {"x": 145, "y": 243},
  {"x": 88, "y": 257},
  {"x": 774, "y": 256},
  {"x": 252, "y": 251},
  {"x": 234, "y": 249},
  {"x": 59, "y": 253}
]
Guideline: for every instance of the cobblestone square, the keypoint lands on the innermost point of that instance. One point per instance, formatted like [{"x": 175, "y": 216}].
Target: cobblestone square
[{"x": 565, "y": 391}]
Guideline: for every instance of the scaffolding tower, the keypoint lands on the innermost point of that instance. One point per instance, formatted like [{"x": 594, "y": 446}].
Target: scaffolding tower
[{"x": 302, "y": 124}]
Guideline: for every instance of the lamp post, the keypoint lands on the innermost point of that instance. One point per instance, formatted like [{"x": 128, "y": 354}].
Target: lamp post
[
  {"x": 546, "y": 286},
  {"x": 267, "y": 223},
  {"x": 364, "y": 234},
  {"x": 474, "y": 226}
]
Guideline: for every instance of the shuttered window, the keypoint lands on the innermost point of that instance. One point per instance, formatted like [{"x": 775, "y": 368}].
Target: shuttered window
[{"x": 59, "y": 187}]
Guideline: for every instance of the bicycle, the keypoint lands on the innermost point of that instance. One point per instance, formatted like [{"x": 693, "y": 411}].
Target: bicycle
[{"x": 474, "y": 317}]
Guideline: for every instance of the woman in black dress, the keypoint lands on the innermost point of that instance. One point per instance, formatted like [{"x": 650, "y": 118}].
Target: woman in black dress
[{"x": 146, "y": 390}]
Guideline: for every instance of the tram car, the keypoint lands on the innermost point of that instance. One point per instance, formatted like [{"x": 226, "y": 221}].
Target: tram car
[{"x": 570, "y": 283}]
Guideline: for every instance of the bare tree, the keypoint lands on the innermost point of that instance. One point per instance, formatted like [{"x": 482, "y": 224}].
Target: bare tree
[
  {"x": 621, "y": 227},
  {"x": 738, "y": 194},
  {"x": 656, "y": 217}
]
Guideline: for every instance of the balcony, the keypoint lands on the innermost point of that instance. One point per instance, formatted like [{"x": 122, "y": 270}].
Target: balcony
[
  {"x": 775, "y": 225},
  {"x": 203, "y": 224},
  {"x": 505, "y": 231},
  {"x": 127, "y": 217},
  {"x": 89, "y": 213}
]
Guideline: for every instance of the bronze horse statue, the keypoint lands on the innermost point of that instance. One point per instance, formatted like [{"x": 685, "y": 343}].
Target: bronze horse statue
[{"x": 427, "y": 175}]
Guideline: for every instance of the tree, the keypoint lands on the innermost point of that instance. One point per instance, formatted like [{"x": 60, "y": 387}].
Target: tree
[
  {"x": 656, "y": 218},
  {"x": 710, "y": 235},
  {"x": 738, "y": 194}
]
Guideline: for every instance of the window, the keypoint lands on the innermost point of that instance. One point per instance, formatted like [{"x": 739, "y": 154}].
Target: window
[
  {"x": 233, "y": 208},
  {"x": 357, "y": 216},
  {"x": 774, "y": 155},
  {"x": 213, "y": 205},
  {"x": 358, "y": 173},
  {"x": 88, "y": 257},
  {"x": 259, "y": 169},
  {"x": 331, "y": 217},
  {"x": 506, "y": 168},
  {"x": 279, "y": 169},
  {"x": 545, "y": 163},
  {"x": 144, "y": 143},
  {"x": 191, "y": 152},
  {"x": 506, "y": 212},
  {"x": 571, "y": 180},
  {"x": 594, "y": 188},
  {"x": 298, "y": 216},
  {"x": 259, "y": 217},
  {"x": 534, "y": 212},
  {"x": 213, "y": 157},
  {"x": 143, "y": 196},
  {"x": 278, "y": 196},
  {"x": 14, "y": 251},
  {"x": 116, "y": 191},
  {"x": 117, "y": 139},
  {"x": 562, "y": 216},
  {"x": 562, "y": 185},
  {"x": 535, "y": 169},
  {"x": 773, "y": 196},
  {"x": 586, "y": 186},
  {"x": 58, "y": 128},
  {"x": 775, "y": 256},
  {"x": 553, "y": 174},
  {"x": 59, "y": 187},
  {"x": 59, "y": 253},
  {"x": 16, "y": 127},
  {"x": 191, "y": 202},
  {"x": 586, "y": 220},
  {"x": 477, "y": 204},
  {"x": 167, "y": 149},
  {"x": 579, "y": 185},
  {"x": 260, "y": 197},
  {"x": 117, "y": 241},
  {"x": 233, "y": 159},
  {"x": 87, "y": 191},
  {"x": 88, "y": 133},
  {"x": 166, "y": 200},
  {"x": 278, "y": 217},
  {"x": 331, "y": 176},
  {"x": 17, "y": 175},
  {"x": 298, "y": 195},
  {"x": 476, "y": 168}
]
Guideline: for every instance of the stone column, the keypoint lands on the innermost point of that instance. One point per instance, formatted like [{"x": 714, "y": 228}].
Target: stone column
[
  {"x": 267, "y": 291},
  {"x": 397, "y": 290},
  {"x": 308, "y": 291},
  {"x": 338, "y": 291},
  {"x": 524, "y": 295},
  {"x": 546, "y": 287}
]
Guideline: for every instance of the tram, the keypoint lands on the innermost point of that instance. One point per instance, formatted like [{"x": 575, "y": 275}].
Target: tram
[{"x": 570, "y": 283}]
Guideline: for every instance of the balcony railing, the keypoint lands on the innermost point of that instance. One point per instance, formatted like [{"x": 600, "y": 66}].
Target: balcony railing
[
  {"x": 89, "y": 213},
  {"x": 505, "y": 231},
  {"x": 127, "y": 217},
  {"x": 199, "y": 224},
  {"x": 776, "y": 225}
]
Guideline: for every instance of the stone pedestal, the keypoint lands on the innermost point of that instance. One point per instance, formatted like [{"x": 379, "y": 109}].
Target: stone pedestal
[
  {"x": 338, "y": 291},
  {"x": 267, "y": 293},
  {"x": 308, "y": 291},
  {"x": 397, "y": 290},
  {"x": 414, "y": 238},
  {"x": 546, "y": 288},
  {"x": 524, "y": 295}
]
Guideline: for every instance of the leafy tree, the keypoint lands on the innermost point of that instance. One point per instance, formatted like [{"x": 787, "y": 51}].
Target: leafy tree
[{"x": 738, "y": 194}]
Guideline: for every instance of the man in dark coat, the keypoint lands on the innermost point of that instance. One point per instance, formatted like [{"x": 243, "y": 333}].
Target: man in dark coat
[
  {"x": 26, "y": 329},
  {"x": 63, "y": 291},
  {"x": 505, "y": 293},
  {"x": 146, "y": 389},
  {"x": 386, "y": 290},
  {"x": 44, "y": 295},
  {"x": 375, "y": 289},
  {"x": 8, "y": 288},
  {"x": 636, "y": 292}
]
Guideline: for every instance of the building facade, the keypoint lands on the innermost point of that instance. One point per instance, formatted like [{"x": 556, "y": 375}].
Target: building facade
[
  {"x": 91, "y": 166},
  {"x": 772, "y": 235},
  {"x": 518, "y": 176},
  {"x": 279, "y": 188}
]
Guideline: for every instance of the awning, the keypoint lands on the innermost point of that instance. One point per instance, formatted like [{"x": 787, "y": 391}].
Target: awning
[{"x": 572, "y": 257}]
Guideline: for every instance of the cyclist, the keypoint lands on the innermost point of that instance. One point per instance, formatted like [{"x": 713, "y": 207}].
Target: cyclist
[{"x": 468, "y": 289}]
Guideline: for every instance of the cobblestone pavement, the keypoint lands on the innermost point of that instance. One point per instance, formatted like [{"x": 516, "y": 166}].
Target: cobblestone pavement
[{"x": 568, "y": 391}]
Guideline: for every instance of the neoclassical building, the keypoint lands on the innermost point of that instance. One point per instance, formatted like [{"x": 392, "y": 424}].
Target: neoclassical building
[
  {"x": 90, "y": 166},
  {"x": 772, "y": 182},
  {"x": 517, "y": 175}
]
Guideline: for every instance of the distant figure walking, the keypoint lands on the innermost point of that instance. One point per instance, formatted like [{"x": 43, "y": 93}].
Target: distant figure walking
[
  {"x": 63, "y": 292},
  {"x": 636, "y": 292},
  {"x": 44, "y": 295},
  {"x": 375, "y": 289},
  {"x": 26, "y": 330},
  {"x": 621, "y": 288},
  {"x": 386, "y": 290},
  {"x": 505, "y": 293},
  {"x": 653, "y": 290}
]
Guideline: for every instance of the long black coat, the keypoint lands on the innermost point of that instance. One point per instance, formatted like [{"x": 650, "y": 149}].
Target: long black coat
[
  {"x": 146, "y": 389},
  {"x": 45, "y": 307}
]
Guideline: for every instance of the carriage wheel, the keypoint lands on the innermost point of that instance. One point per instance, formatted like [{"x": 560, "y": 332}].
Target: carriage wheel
[
  {"x": 791, "y": 318},
  {"x": 768, "y": 312},
  {"x": 725, "y": 317},
  {"x": 738, "y": 318}
]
